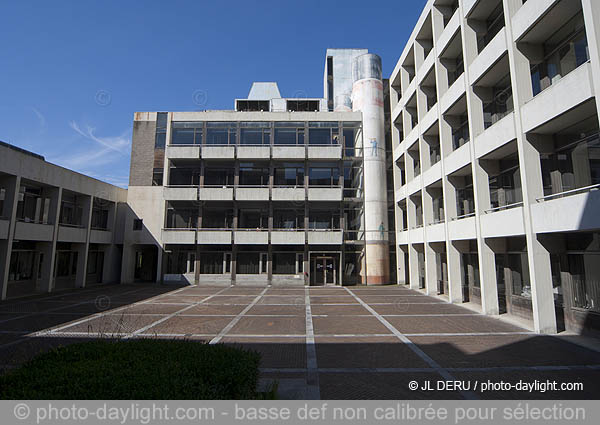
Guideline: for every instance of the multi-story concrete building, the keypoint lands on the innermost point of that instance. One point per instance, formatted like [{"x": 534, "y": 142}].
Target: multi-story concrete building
[
  {"x": 58, "y": 229},
  {"x": 497, "y": 158},
  {"x": 278, "y": 190}
]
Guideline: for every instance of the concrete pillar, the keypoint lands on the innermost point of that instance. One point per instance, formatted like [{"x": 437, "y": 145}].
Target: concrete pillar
[
  {"x": 488, "y": 284},
  {"x": 49, "y": 248},
  {"x": 82, "y": 251},
  {"x": 544, "y": 317},
  {"x": 455, "y": 294},
  {"x": 128, "y": 264},
  {"x": 110, "y": 268},
  {"x": 413, "y": 259},
  {"x": 11, "y": 199},
  {"x": 431, "y": 276},
  {"x": 591, "y": 13}
]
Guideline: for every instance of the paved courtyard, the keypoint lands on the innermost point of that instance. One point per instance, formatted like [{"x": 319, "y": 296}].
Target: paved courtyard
[{"x": 324, "y": 342}]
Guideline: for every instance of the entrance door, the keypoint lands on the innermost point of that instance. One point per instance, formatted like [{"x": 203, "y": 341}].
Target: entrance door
[{"x": 324, "y": 270}]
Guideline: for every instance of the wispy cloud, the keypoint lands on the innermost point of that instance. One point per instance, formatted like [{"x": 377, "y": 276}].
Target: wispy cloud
[
  {"x": 118, "y": 144},
  {"x": 100, "y": 152},
  {"x": 41, "y": 118}
]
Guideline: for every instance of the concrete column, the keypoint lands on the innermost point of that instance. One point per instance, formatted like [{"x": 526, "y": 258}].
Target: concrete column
[
  {"x": 82, "y": 252},
  {"x": 128, "y": 264},
  {"x": 455, "y": 294},
  {"x": 111, "y": 262},
  {"x": 544, "y": 317},
  {"x": 488, "y": 284},
  {"x": 431, "y": 276},
  {"x": 413, "y": 259},
  {"x": 591, "y": 14},
  {"x": 11, "y": 199},
  {"x": 49, "y": 248}
]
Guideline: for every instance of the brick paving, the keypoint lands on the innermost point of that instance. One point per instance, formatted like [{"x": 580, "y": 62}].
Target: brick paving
[{"x": 329, "y": 343}]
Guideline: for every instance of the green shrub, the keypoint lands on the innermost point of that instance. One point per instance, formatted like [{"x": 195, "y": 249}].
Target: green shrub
[{"x": 142, "y": 369}]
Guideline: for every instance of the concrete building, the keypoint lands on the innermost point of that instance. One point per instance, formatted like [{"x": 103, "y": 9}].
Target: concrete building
[
  {"x": 497, "y": 158},
  {"x": 58, "y": 229},
  {"x": 276, "y": 191}
]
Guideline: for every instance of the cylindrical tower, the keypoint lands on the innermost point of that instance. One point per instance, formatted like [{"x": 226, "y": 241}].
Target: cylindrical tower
[{"x": 367, "y": 97}]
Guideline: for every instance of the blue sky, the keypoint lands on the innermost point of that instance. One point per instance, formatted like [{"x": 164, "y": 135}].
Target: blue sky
[{"x": 73, "y": 73}]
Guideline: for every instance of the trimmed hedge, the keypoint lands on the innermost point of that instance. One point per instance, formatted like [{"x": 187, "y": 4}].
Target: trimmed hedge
[{"x": 143, "y": 369}]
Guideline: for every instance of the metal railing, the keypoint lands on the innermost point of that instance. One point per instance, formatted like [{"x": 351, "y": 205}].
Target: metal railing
[
  {"x": 591, "y": 188},
  {"x": 504, "y": 207},
  {"x": 471, "y": 214}
]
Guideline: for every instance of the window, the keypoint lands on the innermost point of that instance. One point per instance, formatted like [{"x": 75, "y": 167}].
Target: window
[
  {"x": 247, "y": 263},
  {"x": 157, "y": 177},
  {"x": 30, "y": 199},
  {"x": 324, "y": 133},
  {"x": 217, "y": 218},
  {"x": 186, "y": 133},
  {"x": 324, "y": 175},
  {"x": 99, "y": 217},
  {"x": 254, "y": 174},
  {"x": 138, "y": 223},
  {"x": 289, "y": 133},
  {"x": 161, "y": 130},
  {"x": 324, "y": 220},
  {"x": 501, "y": 103},
  {"x": 253, "y": 219},
  {"x": 574, "y": 164},
  {"x": 563, "y": 53},
  {"x": 212, "y": 263},
  {"x": 2, "y": 198},
  {"x": 289, "y": 174},
  {"x": 221, "y": 133},
  {"x": 70, "y": 211},
  {"x": 288, "y": 219},
  {"x": 182, "y": 218},
  {"x": 255, "y": 133},
  {"x": 184, "y": 176},
  {"x": 494, "y": 23},
  {"x": 284, "y": 263},
  {"x": 21, "y": 265},
  {"x": 218, "y": 176}
]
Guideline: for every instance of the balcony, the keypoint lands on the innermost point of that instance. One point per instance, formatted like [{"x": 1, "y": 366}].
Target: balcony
[
  {"x": 506, "y": 222},
  {"x": 180, "y": 193},
  {"x": 462, "y": 228},
  {"x": 324, "y": 152},
  {"x": 218, "y": 152},
  {"x": 325, "y": 193},
  {"x": 214, "y": 236},
  {"x": 223, "y": 193},
  {"x": 454, "y": 93},
  {"x": 583, "y": 206},
  {"x": 179, "y": 236},
  {"x": 287, "y": 237},
  {"x": 252, "y": 193},
  {"x": 34, "y": 231},
  {"x": 71, "y": 233},
  {"x": 183, "y": 152},
  {"x": 490, "y": 55},
  {"x": 325, "y": 237},
  {"x": 253, "y": 152},
  {"x": 251, "y": 237},
  {"x": 101, "y": 236},
  {"x": 289, "y": 152},
  {"x": 294, "y": 194},
  {"x": 573, "y": 90},
  {"x": 495, "y": 136}
]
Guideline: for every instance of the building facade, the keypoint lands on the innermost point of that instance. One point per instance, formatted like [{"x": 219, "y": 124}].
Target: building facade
[
  {"x": 58, "y": 229},
  {"x": 497, "y": 158},
  {"x": 278, "y": 191}
]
